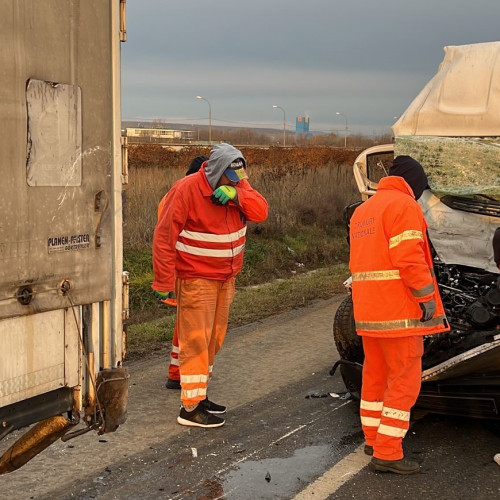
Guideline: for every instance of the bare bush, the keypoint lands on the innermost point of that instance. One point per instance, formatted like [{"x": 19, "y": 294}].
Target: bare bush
[
  {"x": 146, "y": 188},
  {"x": 304, "y": 186}
]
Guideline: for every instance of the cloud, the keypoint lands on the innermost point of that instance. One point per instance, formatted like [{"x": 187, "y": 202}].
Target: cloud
[{"x": 367, "y": 59}]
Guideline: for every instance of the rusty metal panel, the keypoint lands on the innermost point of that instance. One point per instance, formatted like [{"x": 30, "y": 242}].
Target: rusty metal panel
[{"x": 54, "y": 156}]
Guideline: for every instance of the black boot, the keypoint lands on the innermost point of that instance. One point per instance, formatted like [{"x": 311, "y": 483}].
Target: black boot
[
  {"x": 173, "y": 384},
  {"x": 403, "y": 466}
]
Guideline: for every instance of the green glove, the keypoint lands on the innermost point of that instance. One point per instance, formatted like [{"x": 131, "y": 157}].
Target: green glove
[
  {"x": 160, "y": 295},
  {"x": 166, "y": 297},
  {"x": 223, "y": 194}
]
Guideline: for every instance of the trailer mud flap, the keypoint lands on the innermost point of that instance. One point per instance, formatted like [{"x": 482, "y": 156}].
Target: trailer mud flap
[{"x": 110, "y": 405}]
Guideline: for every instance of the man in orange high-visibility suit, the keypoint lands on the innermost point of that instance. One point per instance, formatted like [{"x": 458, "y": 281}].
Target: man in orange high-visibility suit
[
  {"x": 198, "y": 248},
  {"x": 396, "y": 302},
  {"x": 173, "y": 376}
]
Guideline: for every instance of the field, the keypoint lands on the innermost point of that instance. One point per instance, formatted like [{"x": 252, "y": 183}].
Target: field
[{"x": 302, "y": 244}]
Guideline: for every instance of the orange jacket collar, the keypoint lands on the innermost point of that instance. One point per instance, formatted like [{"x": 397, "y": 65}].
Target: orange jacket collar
[{"x": 395, "y": 182}]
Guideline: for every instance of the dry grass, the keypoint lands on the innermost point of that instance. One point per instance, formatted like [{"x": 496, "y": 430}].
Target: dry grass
[
  {"x": 309, "y": 188},
  {"x": 146, "y": 188}
]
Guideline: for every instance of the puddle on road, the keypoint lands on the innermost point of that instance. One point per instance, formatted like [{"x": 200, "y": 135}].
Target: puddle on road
[{"x": 276, "y": 477}]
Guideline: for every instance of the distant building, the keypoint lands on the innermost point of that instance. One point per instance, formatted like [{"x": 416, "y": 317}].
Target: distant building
[
  {"x": 302, "y": 125},
  {"x": 158, "y": 135}
]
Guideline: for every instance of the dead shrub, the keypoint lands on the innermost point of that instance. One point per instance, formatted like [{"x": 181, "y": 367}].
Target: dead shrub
[{"x": 303, "y": 186}]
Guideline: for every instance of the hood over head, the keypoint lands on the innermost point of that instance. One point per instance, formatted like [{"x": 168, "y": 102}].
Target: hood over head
[
  {"x": 412, "y": 172},
  {"x": 221, "y": 157}
]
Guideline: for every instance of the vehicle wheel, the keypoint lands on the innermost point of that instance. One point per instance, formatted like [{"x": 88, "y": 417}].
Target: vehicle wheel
[
  {"x": 347, "y": 341},
  {"x": 350, "y": 347}
]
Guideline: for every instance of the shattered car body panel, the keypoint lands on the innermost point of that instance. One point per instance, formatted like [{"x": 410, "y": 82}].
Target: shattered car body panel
[
  {"x": 472, "y": 234},
  {"x": 461, "y": 100}
]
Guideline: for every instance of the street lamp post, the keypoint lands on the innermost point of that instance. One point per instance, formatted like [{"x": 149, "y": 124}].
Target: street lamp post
[
  {"x": 209, "y": 117},
  {"x": 284, "y": 123},
  {"x": 345, "y": 132}
]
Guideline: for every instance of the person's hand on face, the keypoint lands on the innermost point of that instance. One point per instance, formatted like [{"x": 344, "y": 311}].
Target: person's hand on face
[
  {"x": 223, "y": 194},
  {"x": 225, "y": 190}
]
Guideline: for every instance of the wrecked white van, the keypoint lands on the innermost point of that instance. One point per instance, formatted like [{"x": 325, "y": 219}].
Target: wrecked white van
[{"x": 453, "y": 129}]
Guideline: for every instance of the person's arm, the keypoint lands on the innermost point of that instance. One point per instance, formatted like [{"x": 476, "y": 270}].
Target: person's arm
[
  {"x": 407, "y": 250},
  {"x": 251, "y": 202},
  {"x": 170, "y": 224}
]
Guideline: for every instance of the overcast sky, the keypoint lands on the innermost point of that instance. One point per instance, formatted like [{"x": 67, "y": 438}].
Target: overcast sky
[{"x": 367, "y": 59}]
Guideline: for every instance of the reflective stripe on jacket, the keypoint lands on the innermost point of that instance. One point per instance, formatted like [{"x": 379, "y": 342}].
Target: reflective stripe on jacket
[
  {"x": 391, "y": 265},
  {"x": 194, "y": 238}
]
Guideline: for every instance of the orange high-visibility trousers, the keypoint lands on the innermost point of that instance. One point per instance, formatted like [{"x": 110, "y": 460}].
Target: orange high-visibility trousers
[
  {"x": 173, "y": 367},
  {"x": 202, "y": 315},
  {"x": 392, "y": 374}
]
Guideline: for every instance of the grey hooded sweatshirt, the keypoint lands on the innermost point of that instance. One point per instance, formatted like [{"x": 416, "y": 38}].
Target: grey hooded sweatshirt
[{"x": 221, "y": 156}]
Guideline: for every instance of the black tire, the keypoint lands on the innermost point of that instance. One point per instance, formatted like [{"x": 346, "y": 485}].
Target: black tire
[
  {"x": 350, "y": 347},
  {"x": 348, "y": 342}
]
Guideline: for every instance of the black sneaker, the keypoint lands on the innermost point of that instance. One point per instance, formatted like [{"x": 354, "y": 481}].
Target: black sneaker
[
  {"x": 173, "y": 384},
  {"x": 368, "y": 449},
  {"x": 212, "y": 407},
  {"x": 199, "y": 417},
  {"x": 402, "y": 466}
]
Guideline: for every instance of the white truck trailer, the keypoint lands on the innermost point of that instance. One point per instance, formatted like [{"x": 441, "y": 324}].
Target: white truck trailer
[{"x": 63, "y": 292}]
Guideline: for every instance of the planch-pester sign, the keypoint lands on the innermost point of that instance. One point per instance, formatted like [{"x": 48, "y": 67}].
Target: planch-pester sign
[{"x": 68, "y": 243}]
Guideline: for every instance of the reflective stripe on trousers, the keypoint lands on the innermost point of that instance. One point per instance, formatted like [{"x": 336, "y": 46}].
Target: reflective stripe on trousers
[
  {"x": 173, "y": 368},
  {"x": 392, "y": 373},
  {"x": 202, "y": 315}
]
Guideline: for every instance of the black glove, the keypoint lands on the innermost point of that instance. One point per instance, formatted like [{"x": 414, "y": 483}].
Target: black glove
[
  {"x": 428, "y": 310},
  {"x": 215, "y": 200}
]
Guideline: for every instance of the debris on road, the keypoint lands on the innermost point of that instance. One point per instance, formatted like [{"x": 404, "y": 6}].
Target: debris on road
[
  {"x": 317, "y": 395},
  {"x": 340, "y": 395}
]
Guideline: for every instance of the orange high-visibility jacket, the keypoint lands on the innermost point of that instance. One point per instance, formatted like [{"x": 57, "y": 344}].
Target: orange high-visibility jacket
[
  {"x": 194, "y": 238},
  {"x": 391, "y": 265}
]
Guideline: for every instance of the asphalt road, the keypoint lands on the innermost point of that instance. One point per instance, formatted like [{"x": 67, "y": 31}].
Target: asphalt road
[{"x": 285, "y": 436}]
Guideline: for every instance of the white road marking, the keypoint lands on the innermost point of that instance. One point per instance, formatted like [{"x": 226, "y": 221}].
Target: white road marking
[
  {"x": 272, "y": 443},
  {"x": 334, "y": 478},
  {"x": 231, "y": 465}
]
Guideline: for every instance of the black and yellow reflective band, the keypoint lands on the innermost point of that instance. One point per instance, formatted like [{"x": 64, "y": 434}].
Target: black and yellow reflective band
[
  {"x": 387, "y": 274},
  {"x": 422, "y": 292},
  {"x": 398, "y": 324},
  {"x": 404, "y": 236}
]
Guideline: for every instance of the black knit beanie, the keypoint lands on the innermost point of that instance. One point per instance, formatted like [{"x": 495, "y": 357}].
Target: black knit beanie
[
  {"x": 412, "y": 172},
  {"x": 195, "y": 164}
]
